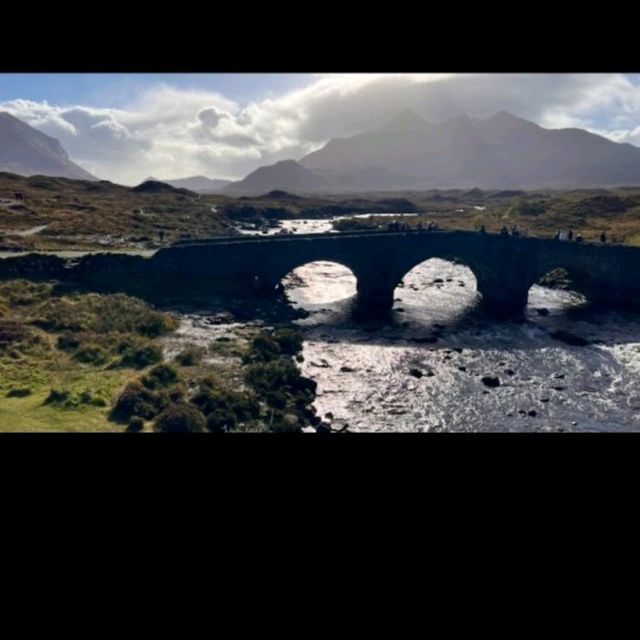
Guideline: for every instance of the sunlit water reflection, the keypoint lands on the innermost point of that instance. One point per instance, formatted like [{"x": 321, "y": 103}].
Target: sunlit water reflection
[{"x": 423, "y": 371}]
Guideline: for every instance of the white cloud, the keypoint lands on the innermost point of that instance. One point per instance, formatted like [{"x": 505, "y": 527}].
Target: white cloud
[{"x": 169, "y": 132}]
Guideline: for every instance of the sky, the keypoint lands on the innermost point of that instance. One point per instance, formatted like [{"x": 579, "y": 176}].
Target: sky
[{"x": 127, "y": 127}]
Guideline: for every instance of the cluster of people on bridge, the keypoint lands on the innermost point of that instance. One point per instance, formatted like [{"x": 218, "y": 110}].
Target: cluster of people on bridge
[
  {"x": 513, "y": 231},
  {"x": 570, "y": 236}
]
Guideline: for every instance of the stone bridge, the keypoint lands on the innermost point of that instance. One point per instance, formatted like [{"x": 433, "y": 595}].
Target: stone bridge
[{"x": 505, "y": 267}]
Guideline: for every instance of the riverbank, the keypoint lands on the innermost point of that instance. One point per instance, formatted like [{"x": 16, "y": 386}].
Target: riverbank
[{"x": 73, "y": 360}]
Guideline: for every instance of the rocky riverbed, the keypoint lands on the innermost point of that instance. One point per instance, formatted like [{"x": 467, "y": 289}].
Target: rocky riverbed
[{"x": 437, "y": 365}]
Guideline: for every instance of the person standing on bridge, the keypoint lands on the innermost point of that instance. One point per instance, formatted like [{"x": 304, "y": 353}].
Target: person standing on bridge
[{"x": 603, "y": 237}]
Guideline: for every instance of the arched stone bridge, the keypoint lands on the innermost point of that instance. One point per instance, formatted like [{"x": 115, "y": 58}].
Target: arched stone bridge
[{"x": 505, "y": 267}]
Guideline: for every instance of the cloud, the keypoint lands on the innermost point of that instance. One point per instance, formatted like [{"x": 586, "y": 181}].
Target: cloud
[{"x": 169, "y": 132}]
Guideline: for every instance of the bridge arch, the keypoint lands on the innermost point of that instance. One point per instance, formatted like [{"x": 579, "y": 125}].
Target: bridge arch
[
  {"x": 572, "y": 287},
  {"x": 319, "y": 282},
  {"x": 448, "y": 285}
]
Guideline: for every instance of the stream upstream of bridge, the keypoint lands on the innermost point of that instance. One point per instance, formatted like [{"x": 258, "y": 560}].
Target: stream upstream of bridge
[{"x": 438, "y": 364}]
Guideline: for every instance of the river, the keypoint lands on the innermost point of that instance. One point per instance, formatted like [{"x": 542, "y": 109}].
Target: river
[{"x": 423, "y": 370}]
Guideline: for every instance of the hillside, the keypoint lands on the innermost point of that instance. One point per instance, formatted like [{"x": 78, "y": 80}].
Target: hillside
[
  {"x": 287, "y": 175},
  {"x": 27, "y": 151}
]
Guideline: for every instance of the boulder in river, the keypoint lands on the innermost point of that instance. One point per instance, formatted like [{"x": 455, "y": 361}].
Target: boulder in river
[
  {"x": 542, "y": 311},
  {"x": 416, "y": 373},
  {"x": 224, "y": 317},
  {"x": 346, "y": 369},
  {"x": 490, "y": 381}
]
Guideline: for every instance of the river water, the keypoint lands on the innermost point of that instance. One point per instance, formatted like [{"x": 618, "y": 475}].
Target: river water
[{"x": 423, "y": 369}]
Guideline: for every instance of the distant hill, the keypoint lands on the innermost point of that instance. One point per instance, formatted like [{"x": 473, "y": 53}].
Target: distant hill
[
  {"x": 500, "y": 152},
  {"x": 154, "y": 186},
  {"x": 26, "y": 151},
  {"x": 287, "y": 175},
  {"x": 199, "y": 184}
]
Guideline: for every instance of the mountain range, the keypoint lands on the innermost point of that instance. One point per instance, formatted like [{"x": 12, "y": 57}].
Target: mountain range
[
  {"x": 408, "y": 153},
  {"x": 499, "y": 152},
  {"x": 26, "y": 151}
]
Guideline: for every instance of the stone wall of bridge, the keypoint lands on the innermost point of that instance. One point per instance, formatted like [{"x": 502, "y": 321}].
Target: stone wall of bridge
[{"x": 505, "y": 267}]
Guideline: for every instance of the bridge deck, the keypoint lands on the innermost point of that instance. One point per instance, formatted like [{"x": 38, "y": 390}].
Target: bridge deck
[{"x": 460, "y": 233}]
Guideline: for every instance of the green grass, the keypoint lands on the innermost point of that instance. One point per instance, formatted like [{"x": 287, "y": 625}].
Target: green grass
[
  {"x": 32, "y": 414},
  {"x": 80, "y": 346}
]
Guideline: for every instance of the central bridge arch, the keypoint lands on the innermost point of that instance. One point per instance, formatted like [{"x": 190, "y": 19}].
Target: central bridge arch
[
  {"x": 319, "y": 282},
  {"x": 448, "y": 286}
]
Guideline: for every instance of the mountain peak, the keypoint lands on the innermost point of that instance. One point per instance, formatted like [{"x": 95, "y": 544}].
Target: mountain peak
[
  {"x": 406, "y": 120},
  {"x": 24, "y": 150},
  {"x": 505, "y": 118},
  {"x": 504, "y": 115}
]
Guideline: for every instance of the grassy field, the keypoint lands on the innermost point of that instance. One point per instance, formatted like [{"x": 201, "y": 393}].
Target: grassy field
[
  {"x": 65, "y": 356},
  {"x": 538, "y": 214},
  {"x": 82, "y": 361},
  {"x": 96, "y": 215},
  {"x": 82, "y": 215}
]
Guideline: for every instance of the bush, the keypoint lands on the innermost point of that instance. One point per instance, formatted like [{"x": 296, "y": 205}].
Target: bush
[
  {"x": 14, "y": 333},
  {"x": 221, "y": 420},
  {"x": 180, "y": 418},
  {"x": 268, "y": 376},
  {"x": 264, "y": 348},
  {"x": 161, "y": 376},
  {"x": 68, "y": 342},
  {"x": 241, "y": 404},
  {"x": 67, "y": 399},
  {"x": 176, "y": 392},
  {"x": 59, "y": 396},
  {"x": 141, "y": 356},
  {"x": 268, "y": 346},
  {"x": 24, "y": 293},
  {"x": 290, "y": 341},
  {"x": 91, "y": 354},
  {"x": 190, "y": 356},
  {"x": 87, "y": 397},
  {"x": 136, "y": 424},
  {"x": 137, "y": 400},
  {"x": 18, "y": 393},
  {"x": 114, "y": 313}
]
